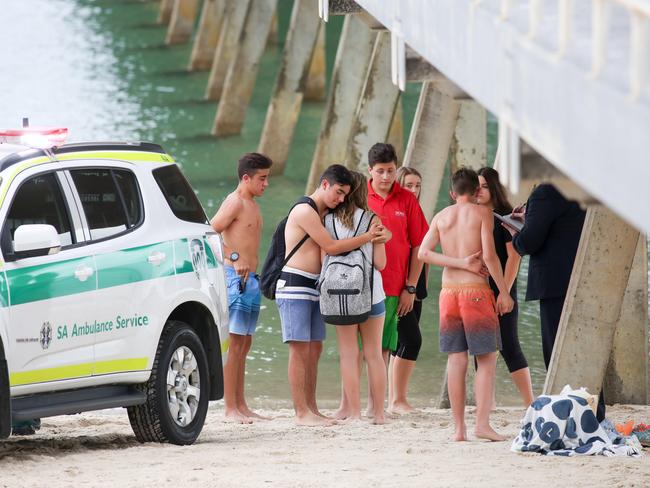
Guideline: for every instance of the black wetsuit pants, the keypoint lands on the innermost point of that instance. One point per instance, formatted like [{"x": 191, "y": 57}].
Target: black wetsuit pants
[
  {"x": 409, "y": 338},
  {"x": 550, "y": 311}
]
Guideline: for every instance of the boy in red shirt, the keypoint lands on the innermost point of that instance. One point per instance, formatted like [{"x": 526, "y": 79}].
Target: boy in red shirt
[{"x": 400, "y": 212}]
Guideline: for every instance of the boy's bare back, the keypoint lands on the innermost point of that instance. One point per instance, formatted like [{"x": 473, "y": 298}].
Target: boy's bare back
[{"x": 459, "y": 228}]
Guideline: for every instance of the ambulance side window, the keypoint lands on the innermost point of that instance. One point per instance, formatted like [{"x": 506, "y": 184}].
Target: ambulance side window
[
  {"x": 102, "y": 202},
  {"x": 38, "y": 201}
]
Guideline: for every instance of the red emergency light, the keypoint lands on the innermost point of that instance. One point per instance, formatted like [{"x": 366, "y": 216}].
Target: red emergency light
[{"x": 37, "y": 137}]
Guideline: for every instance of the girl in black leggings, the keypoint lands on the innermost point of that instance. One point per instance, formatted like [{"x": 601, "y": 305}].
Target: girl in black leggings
[
  {"x": 492, "y": 194},
  {"x": 409, "y": 338}
]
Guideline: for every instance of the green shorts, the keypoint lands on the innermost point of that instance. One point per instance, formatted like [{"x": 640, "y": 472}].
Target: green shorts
[{"x": 389, "y": 337}]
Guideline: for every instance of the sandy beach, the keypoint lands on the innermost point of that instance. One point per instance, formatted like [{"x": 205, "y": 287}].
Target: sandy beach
[{"x": 100, "y": 450}]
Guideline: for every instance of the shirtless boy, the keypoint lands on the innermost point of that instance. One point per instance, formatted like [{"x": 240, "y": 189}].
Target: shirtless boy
[
  {"x": 239, "y": 222},
  {"x": 296, "y": 294},
  {"x": 468, "y": 319}
]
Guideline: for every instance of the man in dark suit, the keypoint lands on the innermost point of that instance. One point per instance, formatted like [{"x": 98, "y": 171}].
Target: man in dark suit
[{"x": 551, "y": 234}]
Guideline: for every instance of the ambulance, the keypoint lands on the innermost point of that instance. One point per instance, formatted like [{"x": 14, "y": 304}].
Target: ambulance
[{"x": 112, "y": 287}]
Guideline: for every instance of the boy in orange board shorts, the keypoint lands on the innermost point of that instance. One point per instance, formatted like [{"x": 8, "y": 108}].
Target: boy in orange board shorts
[{"x": 468, "y": 311}]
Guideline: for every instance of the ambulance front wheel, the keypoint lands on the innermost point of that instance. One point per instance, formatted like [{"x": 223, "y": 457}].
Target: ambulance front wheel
[{"x": 177, "y": 391}]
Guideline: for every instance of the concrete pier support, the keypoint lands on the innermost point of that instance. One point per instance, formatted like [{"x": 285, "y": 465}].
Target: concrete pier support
[
  {"x": 430, "y": 140},
  {"x": 274, "y": 32},
  {"x": 315, "y": 89},
  {"x": 350, "y": 67},
  {"x": 284, "y": 108},
  {"x": 207, "y": 35},
  {"x": 376, "y": 106},
  {"x": 181, "y": 23},
  {"x": 593, "y": 303},
  {"x": 396, "y": 131},
  {"x": 242, "y": 73},
  {"x": 469, "y": 147},
  {"x": 626, "y": 380},
  {"x": 165, "y": 13},
  {"x": 233, "y": 23}
]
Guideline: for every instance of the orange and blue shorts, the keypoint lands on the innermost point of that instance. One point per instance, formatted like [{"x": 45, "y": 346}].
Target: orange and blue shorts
[{"x": 468, "y": 319}]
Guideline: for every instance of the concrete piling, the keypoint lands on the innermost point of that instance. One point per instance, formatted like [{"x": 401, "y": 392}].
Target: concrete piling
[
  {"x": 241, "y": 76},
  {"x": 396, "y": 131},
  {"x": 207, "y": 35},
  {"x": 284, "y": 108},
  {"x": 165, "y": 13},
  {"x": 376, "y": 105},
  {"x": 315, "y": 90},
  {"x": 430, "y": 140},
  {"x": 593, "y": 303},
  {"x": 469, "y": 147},
  {"x": 350, "y": 68},
  {"x": 182, "y": 20},
  {"x": 233, "y": 23},
  {"x": 626, "y": 380}
]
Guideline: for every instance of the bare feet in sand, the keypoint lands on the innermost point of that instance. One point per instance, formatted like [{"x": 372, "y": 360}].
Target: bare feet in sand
[
  {"x": 252, "y": 415},
  {"x": 236, "y": 417},
  {"x": 489, "y": 433},
  {"x": 460, "y": 434},
  {"x": 378, "y": 420},
  {"x": 401, "y": 408},
  {"x": 341, "y": 414},
  {"x": 310, "y": 419}
]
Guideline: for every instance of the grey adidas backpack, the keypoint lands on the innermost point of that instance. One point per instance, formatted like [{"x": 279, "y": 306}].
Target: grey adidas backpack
[{"x": 346, "y": 280}]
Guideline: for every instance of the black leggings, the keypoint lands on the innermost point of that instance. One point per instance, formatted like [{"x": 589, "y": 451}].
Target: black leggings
[
  {"x": 409, "y": 338},
  {"x": 510, "y": 347}
]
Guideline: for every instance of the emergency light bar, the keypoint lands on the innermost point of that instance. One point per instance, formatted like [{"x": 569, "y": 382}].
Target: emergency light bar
[{"x": 36, "y": 137}]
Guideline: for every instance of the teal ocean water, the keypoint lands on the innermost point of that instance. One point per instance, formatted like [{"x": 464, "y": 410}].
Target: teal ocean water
[{"x": 100, "y": 68}]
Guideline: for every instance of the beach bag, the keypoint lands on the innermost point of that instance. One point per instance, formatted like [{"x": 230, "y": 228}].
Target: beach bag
[
  {"x": 275, "y": 259},
  {"x": 346, "y": 280}
]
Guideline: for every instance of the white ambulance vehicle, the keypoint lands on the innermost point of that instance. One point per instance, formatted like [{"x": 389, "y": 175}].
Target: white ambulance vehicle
[{"x": 112, "y": 289}]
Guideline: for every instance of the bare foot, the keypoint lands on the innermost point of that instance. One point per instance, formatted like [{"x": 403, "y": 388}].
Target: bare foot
[
  {"x": 316, "y": 412},
  {"x": 235, "y": 417},
  {"x": 370, "y": 413},
  {"x": 489, "y": 433},
  {"x": 401, "y": 408},
  {"x": 378, "y": 420},
  {"x": 312, "y": 420},
  {"x": 352, "y": 419},
  {"x": 341, "y": 414},
  {"x": 252, "y": 415},
  {"x": 459, "y": 435}
]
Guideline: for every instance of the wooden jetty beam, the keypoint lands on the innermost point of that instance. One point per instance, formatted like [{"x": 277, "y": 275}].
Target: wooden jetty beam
[
  {"x": 593, "y": 303},
  {"x": 350, "y": 68},
  {"x": 376, "y": 106},
  {"x": 242, "y": 73},
  {"x": 233, "y": 23},
  {"x": 181, "y": 23},
  {"x": 284, "y": 108},
  {"x": 207, "y": 35}
]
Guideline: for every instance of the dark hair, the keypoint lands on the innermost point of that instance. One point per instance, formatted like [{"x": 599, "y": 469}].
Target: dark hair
[
  {"x": 381, "y": 153},
  {"x": 251, "y": 163},
  {"x": 337, "y": 174},
  {"x": 464, "y": 181},
  {"x": 498, "y": 196}
]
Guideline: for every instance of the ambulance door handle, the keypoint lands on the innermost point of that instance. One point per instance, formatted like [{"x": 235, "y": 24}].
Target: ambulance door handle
[
  {"x": 82, "y": 273},
  {"x": 156, "y": 258}
]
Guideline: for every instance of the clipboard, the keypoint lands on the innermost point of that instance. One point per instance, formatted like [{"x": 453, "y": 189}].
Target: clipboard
[{"x": 509, "y": 221}]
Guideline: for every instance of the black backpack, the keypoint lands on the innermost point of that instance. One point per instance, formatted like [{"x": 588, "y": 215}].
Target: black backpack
[{"x": 275, "y": 259}]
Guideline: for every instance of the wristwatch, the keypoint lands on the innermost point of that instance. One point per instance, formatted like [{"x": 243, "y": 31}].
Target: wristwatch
[
  {"x": 234, "y": 256},
  {"x": 410, "y": 289}
]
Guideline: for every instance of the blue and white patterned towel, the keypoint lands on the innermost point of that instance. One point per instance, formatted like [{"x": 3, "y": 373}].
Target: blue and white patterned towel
[{"x": 564, "y": 425}]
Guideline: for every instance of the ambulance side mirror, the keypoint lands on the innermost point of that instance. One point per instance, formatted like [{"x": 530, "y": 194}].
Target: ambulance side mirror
[{"x": 36, "y": 240}]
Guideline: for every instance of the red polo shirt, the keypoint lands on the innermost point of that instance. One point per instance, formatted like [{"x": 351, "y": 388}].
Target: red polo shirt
[{"x": 400, "y": 212}]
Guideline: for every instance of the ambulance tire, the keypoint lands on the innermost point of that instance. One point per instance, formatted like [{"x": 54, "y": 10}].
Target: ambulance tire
[{"x": 153, "y": 421}]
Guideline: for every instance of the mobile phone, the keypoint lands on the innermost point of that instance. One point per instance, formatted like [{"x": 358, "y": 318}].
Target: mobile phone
[{"x": 242, "y": 286}]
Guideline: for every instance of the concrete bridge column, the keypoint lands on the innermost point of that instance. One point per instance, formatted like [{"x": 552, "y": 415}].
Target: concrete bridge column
[
  {"x": 165, "y": 13},
  {"x": 469, "y": 147},
  {"x": 350, "y": 68},
  {"x": 233, "y": 23},
  {"x": 274, "y": 33},
  {"x": 242, "y": 73},
  {"x": 626, "y": 380},
  {"x": 396, "y": 131},
  {"x": 207, "y": 35},
  {"x": 430, "y": 140},
  {"x": 376, "y": 106},
  {"x": 315, "y": 89},
  {"x": 593, "y": 303},
  {"x": 284, "y": 108},
  {"x": 181, "y": 23}
]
